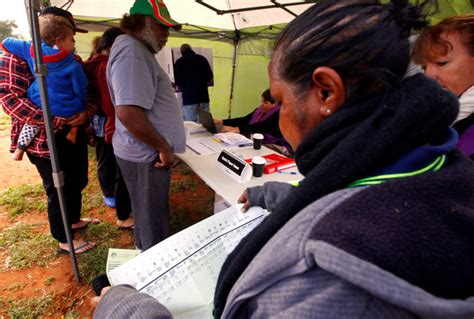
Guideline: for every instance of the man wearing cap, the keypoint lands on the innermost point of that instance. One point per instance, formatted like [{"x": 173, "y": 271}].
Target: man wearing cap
[
  {"x": 15, "y": 79},
  {"x": 149, "y": 125}
]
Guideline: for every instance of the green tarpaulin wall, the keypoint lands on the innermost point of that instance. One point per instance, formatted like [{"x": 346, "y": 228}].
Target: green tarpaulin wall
[{"x": 251, "y": 77}]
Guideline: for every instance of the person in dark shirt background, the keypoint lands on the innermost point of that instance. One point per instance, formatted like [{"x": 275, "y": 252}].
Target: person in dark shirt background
[{"x": 192, "y": 74}]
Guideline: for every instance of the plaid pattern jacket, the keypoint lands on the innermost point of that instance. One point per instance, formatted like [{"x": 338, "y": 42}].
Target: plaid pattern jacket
[{"x": 15, "y": 78}]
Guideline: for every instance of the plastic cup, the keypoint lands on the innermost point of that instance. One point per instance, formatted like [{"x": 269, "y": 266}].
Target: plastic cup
[
  {"x": 257, "y": 141},
  {"x": 258, "y": 163}
]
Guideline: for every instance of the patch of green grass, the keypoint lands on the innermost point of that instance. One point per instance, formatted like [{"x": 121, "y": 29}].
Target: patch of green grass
[
  {"x": 27, "y": 248},
  {"x": 103, "y": 231},
  {"x": 91, "y": 157},
  {"x": 27, "y": 308},
  {"x": 15, "y": 287},
  {"x": 48, "y": 281},
  {"x": 186, "y": 184},
  {"x": 24, "y": 198},
  {"x": 183, "y": 169},
  {"x": 91, "y": 199},
  {"x": 92, "y": 263},
  {"x": 14, "y": 235},
  {"x": 179, "y": 220},
  {"x": 72, "y": 315},
  {"x": 206, "y": 206},
  {"x": 92, "y": 194}
]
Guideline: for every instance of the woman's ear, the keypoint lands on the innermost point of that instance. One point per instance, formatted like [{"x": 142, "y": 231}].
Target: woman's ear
[{"x": 330, "y": 90}]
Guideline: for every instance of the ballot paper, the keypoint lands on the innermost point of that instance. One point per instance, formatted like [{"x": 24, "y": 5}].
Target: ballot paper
[
  {"x": 117, "y": 257},
  {"x": 233, "y": 139},
  {"x": 209, "y": 145},
  {"x": 181, "y": 272},
  {"x": 194, "y": 128}
]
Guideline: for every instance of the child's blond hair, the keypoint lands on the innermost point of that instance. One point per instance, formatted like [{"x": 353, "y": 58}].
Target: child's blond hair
[{"x": 53, "y": 27}]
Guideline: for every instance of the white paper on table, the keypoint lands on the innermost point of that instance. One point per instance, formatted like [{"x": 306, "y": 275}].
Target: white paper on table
[
  {"x": 181, "y": 271},
  {"x": 233, "y": 139},
  {"x": 194, "y": 128},
  {"x": 207, "y": 145}
]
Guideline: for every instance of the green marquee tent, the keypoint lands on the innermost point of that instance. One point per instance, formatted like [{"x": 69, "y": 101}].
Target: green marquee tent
[{"x": 239, "y": 32}]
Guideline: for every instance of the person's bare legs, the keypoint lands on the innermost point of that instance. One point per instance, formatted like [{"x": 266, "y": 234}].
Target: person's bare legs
[{"x": 17, "y": 155}]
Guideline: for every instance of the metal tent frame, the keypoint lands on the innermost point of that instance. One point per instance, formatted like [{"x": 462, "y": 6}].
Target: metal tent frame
[{"x": 33, "y": 9}]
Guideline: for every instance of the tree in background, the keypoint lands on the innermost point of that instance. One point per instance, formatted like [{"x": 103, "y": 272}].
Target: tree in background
[{"x": 6, "y": 29}]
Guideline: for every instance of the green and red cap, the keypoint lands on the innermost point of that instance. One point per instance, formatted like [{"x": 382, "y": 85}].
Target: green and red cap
[{"x": 156, "y": 9}]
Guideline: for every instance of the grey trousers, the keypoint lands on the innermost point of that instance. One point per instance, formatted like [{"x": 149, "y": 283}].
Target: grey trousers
[{"x": 149, "y": 193}]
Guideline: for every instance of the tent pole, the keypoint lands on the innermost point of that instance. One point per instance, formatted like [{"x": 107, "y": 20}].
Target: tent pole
[
  {"x": 234, "y": 63},
  {"x": 33, "y": 7}
]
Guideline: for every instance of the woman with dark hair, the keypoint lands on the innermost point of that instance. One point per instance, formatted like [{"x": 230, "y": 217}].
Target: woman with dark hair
[
  {"x": 264, "y": 120},
  {"x": 381, "y": 225},
  {"x": 446, "y": 52},
  {"x": 113, "y": 187}
]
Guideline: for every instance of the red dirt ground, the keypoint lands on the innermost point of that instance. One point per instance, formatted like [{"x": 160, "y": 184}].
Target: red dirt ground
[{"x": 66, "y": 289}]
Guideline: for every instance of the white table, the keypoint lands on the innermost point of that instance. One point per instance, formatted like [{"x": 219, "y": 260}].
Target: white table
[{"x": 205, "y": 166}]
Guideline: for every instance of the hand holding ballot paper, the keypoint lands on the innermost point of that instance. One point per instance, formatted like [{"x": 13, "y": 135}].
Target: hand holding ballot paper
[{"x": 181, "y": 271}]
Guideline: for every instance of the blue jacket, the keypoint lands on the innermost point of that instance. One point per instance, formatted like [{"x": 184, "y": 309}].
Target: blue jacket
[{"x": 66, "y": 81}]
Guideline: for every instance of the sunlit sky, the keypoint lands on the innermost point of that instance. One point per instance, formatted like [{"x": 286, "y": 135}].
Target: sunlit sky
[{"x": 15, "y": 10}]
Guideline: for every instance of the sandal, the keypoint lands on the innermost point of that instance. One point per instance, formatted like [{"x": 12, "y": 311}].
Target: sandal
[
  {"x": 127, "y": 224},
  {"x": 88, "y": 245},
  {"x": 86, "y": 221}
]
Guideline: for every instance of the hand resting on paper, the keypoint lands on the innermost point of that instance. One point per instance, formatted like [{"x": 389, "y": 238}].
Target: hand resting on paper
[
  {"x": 243, "y": 199},
  {"x": 267, "y": 196}
]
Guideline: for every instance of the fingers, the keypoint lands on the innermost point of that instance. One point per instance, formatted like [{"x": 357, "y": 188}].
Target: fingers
[
  {"x": 166, "y": 161},
  {"x": 159, "y": 165},
  {"x": 95, "y": 301},
  {"x": 243, "y": 199}
]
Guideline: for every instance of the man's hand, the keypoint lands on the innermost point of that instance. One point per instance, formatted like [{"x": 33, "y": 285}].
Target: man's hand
[
  {"x": 166, "y": 159},
  {"x": 243, "y": 199},
  {"x": 134, "y": 119},
  {"x": 77, "y": 119}
]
